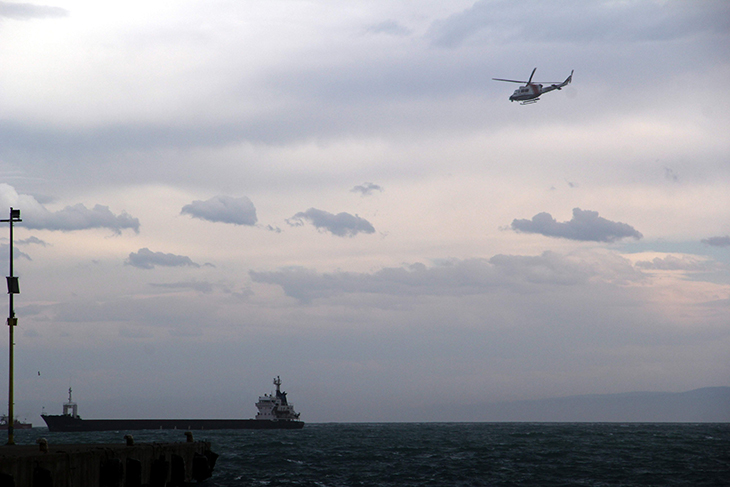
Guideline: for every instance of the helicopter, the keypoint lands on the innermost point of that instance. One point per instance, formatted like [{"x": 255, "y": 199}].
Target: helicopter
[{"x": 530, "y": 93}]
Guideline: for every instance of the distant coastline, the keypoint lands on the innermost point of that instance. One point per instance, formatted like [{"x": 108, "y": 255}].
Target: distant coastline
[{"x": 708, "y": 404}]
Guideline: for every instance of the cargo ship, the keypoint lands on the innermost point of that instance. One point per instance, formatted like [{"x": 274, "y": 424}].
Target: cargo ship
[
  {"x": 17, "y": 425},
  {"x": 274, "y": 412}
]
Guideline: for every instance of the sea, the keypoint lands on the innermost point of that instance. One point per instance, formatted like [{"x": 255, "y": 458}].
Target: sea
[{"x": 454, "y": 454}]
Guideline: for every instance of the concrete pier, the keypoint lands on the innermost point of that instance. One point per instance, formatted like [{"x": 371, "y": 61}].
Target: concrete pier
[{"x": 106, "y": 465}]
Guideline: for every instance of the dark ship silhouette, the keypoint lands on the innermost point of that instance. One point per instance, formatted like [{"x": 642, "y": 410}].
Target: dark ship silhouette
[{"x": 275, "y": 412}]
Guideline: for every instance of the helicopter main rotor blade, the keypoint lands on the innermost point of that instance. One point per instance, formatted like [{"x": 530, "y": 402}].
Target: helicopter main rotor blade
[
  {"x": 533, "y": 74},
  {"x": 509, "y": 80}
]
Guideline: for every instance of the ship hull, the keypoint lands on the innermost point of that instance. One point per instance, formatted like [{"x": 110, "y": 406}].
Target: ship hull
[
  {"x": 70, "y": 424},
  {"x": 17, "y": 426}
]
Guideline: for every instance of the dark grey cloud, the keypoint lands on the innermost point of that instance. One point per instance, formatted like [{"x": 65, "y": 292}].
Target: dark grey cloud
[
  {"x": 364, "y": 86},
  {"x": 390, "y": 27},
  {"x": 466, "y": 277},
  {"x": 146, "y": 259},
  {"x": 32, "y": 240},
  {"x": 27, "y": 11},
  {"x": 366, "y": 188},
  {"x": 670, "y": 175},
  {"x": 44, "y": 199},
  {"x": 199, "y": 286},
  {"x": 717, "y": 241},
  {"x": 580, "y": 21},
  {"x": 225, "y": 209},
  {"x": 341, "y": 224},
  {"x": 205, "y": 287},
  {"x": 585, "y": 226},
  {"x": 17, "y": 254},
  {"x": 354, "y": 89},
  {"x": 157, "y": 311},
  {"x": 452, "y": 278},
  {"x": 78, "y": 217}
]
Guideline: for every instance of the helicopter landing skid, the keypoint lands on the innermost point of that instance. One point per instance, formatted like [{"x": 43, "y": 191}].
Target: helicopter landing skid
[{"x": 530, "y": 102}]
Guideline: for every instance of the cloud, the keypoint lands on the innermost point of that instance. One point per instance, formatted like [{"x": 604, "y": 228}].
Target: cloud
[
  {"x": 674, "y": 263},
  {"x": 366, "y": 189},
  {"x": 390, "y": 27},
  {"x": 26, "y": 11},
  {"x": 581, "y": 22},
  {"x": 146, "y": 259},
  {"x": 465, "y": 277},
  {"x": 205, "y": 287},
  {"x": 5, "y": 251},
  {"x": 225, "y": 209},
  {"x": 670, "y": 175},
  {"x": 167, "y": 311},
  {"x": 585, "y": 226},
  {"x": 312, "y": 111},
  {"x": 199, "y": 286},
  {"x": 77, "y": 217},
  {"x": 341, "y": 224},
  {"x": 457, "y": 277},
  {"x": 717, "y": 241},
  {"x": 32, "y": 240}
]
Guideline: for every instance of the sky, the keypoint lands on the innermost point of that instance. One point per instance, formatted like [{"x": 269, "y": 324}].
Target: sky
[{"x": 215, "y": 193}]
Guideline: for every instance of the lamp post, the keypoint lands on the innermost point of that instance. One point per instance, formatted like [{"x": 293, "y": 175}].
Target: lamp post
[{"x": 13, "y": 288}]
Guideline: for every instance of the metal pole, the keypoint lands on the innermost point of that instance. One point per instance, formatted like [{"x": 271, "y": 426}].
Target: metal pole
[
  {"x": 11, "y": 326},
  {"x": 13, "y": 288}
]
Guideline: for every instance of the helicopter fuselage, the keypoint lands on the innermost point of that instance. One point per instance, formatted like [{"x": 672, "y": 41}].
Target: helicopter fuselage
[{"x": 527, "y": 92}]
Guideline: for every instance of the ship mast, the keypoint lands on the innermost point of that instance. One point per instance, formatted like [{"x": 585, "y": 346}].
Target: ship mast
[
  {"x": 71, "y": 408},
  {"x": 277, "y": 383}
]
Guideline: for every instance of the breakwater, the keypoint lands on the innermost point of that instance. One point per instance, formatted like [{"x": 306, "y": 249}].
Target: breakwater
[{"x": 127, "y": 464}]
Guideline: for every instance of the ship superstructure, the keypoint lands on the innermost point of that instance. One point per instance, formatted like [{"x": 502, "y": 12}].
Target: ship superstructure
[
  {"x": 276, "y": 407},
  {"x": 71, "y": 408}
]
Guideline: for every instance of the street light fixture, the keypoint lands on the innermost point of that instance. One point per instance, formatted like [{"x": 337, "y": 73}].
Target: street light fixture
[{"x": 13, "y": 289}]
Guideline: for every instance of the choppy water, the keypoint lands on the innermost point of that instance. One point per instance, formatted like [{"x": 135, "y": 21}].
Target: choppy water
[{"x": 457, "y": 454}]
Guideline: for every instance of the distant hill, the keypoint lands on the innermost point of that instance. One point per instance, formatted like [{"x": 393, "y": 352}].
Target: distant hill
[{"x": 709, "y": 404}]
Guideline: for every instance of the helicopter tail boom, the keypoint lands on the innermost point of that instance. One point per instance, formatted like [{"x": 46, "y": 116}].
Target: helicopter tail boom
[{"x": 559, "y": 86}]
